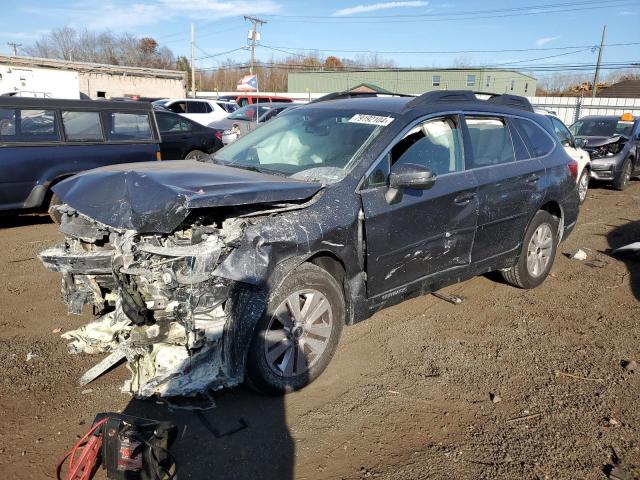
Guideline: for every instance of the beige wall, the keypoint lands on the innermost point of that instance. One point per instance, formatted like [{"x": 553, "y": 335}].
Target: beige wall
[{"x": 125, "y": 85}]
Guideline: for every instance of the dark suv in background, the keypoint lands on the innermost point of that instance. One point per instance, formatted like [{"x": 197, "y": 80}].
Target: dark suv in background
[
  {"x": 43, "y": 141},
  {"x": 247, "y": 267},
  {"x": 613, "y": 142}
]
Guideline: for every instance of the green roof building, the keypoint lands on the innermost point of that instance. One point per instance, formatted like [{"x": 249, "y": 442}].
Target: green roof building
[{"x": 414, "y": 81}]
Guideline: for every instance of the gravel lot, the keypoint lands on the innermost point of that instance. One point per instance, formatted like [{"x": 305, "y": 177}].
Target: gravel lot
[{"x": 509, "y": 384}]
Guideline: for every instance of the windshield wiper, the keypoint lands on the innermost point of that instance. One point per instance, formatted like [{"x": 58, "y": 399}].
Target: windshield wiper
[{"x": 253, "y": 168}]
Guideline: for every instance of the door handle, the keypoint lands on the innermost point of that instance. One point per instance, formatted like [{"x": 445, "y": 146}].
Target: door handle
[
  {"x": 464, "y": 199},
  {"x": 533, "y": 178}
]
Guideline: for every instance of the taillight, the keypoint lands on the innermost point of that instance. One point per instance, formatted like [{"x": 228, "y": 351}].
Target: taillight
[
  {"x": 573, "y": 168},
  {"x": 218, "y": 134},
  {"x": 158, "y": 155}
]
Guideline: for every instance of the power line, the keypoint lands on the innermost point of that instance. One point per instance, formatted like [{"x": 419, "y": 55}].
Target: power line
[
  {"x": 449, "y": 14},
  {"x": 542, "y": 68},
  {"x": 533, "y": 11},
  {"x": 291, "y": 50}
]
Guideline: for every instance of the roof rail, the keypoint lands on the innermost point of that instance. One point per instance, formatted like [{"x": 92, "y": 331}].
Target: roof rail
[
  {"x": 347, "y": 94},
  {"x": 513, "y": 101},
  {"x": 442, "y": 96}
]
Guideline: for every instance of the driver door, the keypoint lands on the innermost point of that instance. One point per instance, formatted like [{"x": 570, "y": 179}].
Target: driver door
[{"x": 421, "y": 232}]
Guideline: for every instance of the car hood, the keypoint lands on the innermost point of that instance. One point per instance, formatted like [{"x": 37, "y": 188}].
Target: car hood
[
  {"x": 158, "y": 196},
  {"x": 593, "y": 142}
]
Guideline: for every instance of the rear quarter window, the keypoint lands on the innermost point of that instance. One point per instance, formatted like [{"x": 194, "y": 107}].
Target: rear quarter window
[{"x": 538, "y": 142}]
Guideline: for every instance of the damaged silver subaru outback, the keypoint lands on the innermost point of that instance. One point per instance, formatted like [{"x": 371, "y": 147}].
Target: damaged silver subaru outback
[{"x": 202, "y": 275}]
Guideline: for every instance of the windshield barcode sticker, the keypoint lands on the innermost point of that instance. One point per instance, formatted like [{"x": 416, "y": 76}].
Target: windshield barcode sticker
[{"x": 371, "y": 119}]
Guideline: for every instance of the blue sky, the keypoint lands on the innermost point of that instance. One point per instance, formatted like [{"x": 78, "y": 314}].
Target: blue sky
[{"x": 390, "y": 26}]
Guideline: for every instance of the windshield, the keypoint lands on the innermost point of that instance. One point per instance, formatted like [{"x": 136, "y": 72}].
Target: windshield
[
  {"x": 248, "y": 113},
  {"x": 601, "y": 127},
  {"x": 314, "y": 144}
]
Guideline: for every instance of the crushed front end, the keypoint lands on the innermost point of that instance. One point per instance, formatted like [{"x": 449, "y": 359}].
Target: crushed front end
[{"x": 157, "y": 301}]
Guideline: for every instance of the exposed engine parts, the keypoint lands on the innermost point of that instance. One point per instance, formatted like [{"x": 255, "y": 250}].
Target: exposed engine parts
[{"x": 160, "y": 305}]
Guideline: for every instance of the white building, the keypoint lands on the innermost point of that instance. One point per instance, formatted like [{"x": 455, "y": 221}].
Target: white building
[{"x": 45, "y": 77}]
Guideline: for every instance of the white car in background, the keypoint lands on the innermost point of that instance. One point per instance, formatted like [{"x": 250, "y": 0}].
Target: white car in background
[
  {"x": 203, "y": 111},
  {"x": 578, "y": 154}
]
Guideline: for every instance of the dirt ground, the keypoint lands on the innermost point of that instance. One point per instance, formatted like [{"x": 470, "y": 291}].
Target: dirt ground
[{"x": 408, "y": 394}]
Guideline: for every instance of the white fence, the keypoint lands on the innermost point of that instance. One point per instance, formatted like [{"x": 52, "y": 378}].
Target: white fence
[{"x": 568, "y": 109}]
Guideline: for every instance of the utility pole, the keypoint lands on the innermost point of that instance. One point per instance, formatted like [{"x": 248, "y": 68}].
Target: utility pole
[
  {"x": 193, "y": 65},
  {"x": 254, "y": 36},
  {"x": 595, "y": 75},
  {"x": 15, "y": 47}
]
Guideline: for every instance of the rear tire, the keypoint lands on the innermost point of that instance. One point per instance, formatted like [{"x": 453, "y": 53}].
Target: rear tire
[
  {"x": 583, "y": 185},
  {"x": 622, "y": 179},
  {"x": 537, "y": 254},
  {"x": 195, "y": 155},
  {"x": 299, "y": 332}
]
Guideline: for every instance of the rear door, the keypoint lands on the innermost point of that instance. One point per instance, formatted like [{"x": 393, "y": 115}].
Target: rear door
[
  {"x": 176, "y": 136},
  {"x": 508, "y": 184},
  {"x": 426, "y": 231}
]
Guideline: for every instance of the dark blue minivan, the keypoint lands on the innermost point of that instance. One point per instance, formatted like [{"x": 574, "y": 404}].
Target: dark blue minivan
[{"x": 43, "y": 141}]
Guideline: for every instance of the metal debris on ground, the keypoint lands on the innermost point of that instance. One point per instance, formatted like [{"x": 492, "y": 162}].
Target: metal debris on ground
[{"x": 456, "y": 300}]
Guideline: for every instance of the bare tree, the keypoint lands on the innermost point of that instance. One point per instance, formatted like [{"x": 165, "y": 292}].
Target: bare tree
[{"x": 105, "y": 47}]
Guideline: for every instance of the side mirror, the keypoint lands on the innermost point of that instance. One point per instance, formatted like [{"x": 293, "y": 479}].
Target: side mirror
[{"x": 410, "y": 176}]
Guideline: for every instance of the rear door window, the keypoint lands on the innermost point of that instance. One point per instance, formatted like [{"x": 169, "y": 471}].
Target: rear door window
[
  {"x": 129, "y": 126},
  {"x": 197, "y": 107},
  {"x": 82, "y": 126},
  {"x": 172, "y": 123},
  {"x": 538, "y": 142},
  {"x": 490, "y": 141},
  {"x": 178, "y": 107}
]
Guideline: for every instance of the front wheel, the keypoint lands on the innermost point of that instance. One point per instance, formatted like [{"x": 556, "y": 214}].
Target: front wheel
[
  {"x": 583, "y": 185},
  {"x": 537, "y": 254},
  {"x": 53, "y": 202},
  {"x": 296, "y": 338},
  {"x": 621, "y": 180},
  {"x": 195, "y": 155}
]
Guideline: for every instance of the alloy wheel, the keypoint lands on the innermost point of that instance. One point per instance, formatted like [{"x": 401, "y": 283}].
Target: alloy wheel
[
  {"x": 298, "y": 333},
  {"x": 583, "y": 186},
  {"x": 539, "y": 250}
]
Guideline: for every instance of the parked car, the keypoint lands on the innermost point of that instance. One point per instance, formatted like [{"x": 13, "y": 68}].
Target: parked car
[
  {"x": 248, "y": 266},
  {"x": 613, "y": 142},
  {"x": 578, "y": 154},
  {"x": 243, "y": 99},
  {"x": 243, "y": 120},
  {"x": 199, "y": 110},
  {"x": 43, "y": 141},
  {"x": 184, "y": 138}
]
